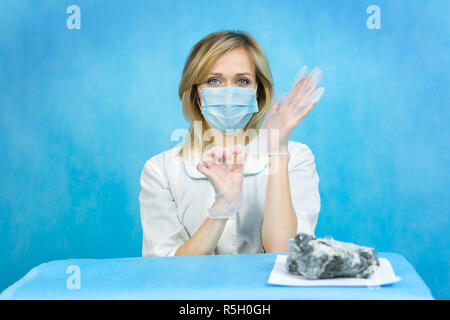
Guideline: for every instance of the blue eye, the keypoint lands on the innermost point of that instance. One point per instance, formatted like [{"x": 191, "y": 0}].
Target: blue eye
[
  {"x": 211, "y": 79},
  {"x": 215, "y": 81},
  {"x": 246, "y": 81}
]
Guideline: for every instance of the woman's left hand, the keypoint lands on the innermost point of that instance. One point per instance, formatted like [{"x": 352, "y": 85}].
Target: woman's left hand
[
  {"x": 285, "y": 116},
  {"x": 224, "y": 168}
]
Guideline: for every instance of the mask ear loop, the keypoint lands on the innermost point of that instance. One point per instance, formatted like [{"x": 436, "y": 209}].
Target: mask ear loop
[
  {"x": 256, "y": 92},
  {"x": 198, "y": 98}
]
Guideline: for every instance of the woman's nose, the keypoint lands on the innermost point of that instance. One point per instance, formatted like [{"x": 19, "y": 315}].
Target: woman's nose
[{"x": 228, "y": 83}]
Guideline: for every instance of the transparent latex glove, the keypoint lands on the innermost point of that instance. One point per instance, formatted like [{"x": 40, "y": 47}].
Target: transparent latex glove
[
  {"x": 224, "y": 168},
  {"x": 289, "y": 110}
]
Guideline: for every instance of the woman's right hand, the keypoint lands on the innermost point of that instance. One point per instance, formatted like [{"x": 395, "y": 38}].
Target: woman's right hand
[
  {"x": 289, "y": 110},
  {"x": 224, "y": 168}
]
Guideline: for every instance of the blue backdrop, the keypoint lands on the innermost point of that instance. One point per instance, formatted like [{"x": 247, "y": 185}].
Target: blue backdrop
[{"x": 81, "y": 110}]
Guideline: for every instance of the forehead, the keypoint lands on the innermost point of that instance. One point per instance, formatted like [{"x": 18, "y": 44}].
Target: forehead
[{"x": 235, "y": 61}]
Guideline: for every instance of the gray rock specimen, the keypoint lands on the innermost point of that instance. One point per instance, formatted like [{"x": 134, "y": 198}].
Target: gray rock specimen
[{"x": 322, "y": 258}]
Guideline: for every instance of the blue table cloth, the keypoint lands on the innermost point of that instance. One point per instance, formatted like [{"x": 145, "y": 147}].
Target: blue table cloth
[{"x": 226, "y": 277}]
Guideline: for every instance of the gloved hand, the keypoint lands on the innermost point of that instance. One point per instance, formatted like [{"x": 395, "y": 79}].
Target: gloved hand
[
  {"x": 224, "y": 168},
  {"x": 289, "y": 110}
]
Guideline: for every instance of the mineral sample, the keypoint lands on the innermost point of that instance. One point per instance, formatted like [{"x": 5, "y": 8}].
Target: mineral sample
[{"x": 322, "y": 258}]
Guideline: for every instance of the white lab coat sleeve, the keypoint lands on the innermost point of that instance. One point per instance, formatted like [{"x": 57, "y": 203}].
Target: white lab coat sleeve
[
  {"x": 304, "y": 185},
  {"x": 163, "y": 231}
]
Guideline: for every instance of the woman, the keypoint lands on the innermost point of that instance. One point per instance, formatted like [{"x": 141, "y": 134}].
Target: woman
[{"x": 214, "y": 194}]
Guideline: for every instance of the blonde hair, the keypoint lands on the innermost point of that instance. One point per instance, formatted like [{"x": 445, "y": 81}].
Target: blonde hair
[{"x": 198, "y": 64}]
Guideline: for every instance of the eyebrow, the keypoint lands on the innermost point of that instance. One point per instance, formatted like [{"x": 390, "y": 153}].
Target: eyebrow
[{"x": 237, "y": 74}]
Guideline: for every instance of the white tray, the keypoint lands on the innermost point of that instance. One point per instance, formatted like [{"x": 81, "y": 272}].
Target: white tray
[{"x": 280, "y": 276}]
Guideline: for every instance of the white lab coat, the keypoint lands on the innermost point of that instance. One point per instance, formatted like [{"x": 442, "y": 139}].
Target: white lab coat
[{"x": 175, "y": 197}]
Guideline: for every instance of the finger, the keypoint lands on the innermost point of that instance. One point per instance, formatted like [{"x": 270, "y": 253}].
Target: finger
[
  {"x": 212, "y": 157},
  {"x": 316, "y": 77},
  {"x": 229, "y": 155},
  {"x": 315, "y": 97},
  {"x": 306, "y": 90},
  {"x": 217, "y": 155},
  {"x": 207, "y": 162},
  {"x": 297, "y": 86},
  {"x": 207, "y": 153},
  {"x": 302, "y": 115},
  {"x": 283, "y": 97},
  {"x": 239, "y": 159},
  {"x": 300, "y": 103},
  {"x": 298, "y": 90},
  {"x": 300, "y": 75},
  {"x": 206, "y": 158},
  {"x": 274, "y": 107},
  {"x": 318, "y": 93},
  {"x": 203, "y": 169},
  {"x": 238, "y": 150}
]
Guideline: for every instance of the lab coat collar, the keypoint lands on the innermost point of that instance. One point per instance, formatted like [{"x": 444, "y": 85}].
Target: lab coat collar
[{"x": 253, "y": 164}]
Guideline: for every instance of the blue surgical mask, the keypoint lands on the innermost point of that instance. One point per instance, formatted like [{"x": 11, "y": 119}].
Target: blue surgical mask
[{"x": 228, "y": 107}]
